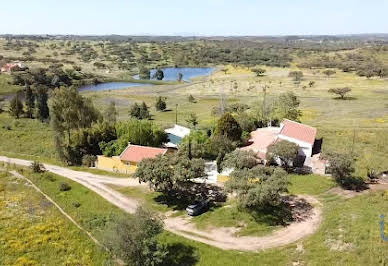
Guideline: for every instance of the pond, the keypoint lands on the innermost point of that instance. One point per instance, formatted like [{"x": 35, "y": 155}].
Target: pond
[
  {"x": 111, "y": 86},
  {"x": 172, "y": 73}
]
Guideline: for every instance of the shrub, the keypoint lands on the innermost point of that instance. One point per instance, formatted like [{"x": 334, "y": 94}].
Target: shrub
[
  {"x": 76, "y": 204},
  {"x": 64, "y": 187},
  {"x": 88, "y": 160},
  {"x": 49, "y": 177},
  {"x": 37, "y": 167}
]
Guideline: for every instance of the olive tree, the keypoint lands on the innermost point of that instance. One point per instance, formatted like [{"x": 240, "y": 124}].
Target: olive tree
[
  {"x": 284, "y": 151},
  {"x": 341, "y": 92},
  {"x": 258, "y": 188},
  {"x": 134, "y": 239}
]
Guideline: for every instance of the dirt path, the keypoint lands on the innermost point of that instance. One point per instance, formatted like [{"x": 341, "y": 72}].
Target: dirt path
[{"x": 223, "y": 238}]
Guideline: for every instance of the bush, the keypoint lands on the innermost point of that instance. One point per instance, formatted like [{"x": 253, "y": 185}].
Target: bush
[
  {"x": 37, "y": 167},
  {"x": 89, "y": 160},
  {"x": 76, "y": 204},
  {"x": 64, "y": 187},
  {"x": 341, "y": 167}
]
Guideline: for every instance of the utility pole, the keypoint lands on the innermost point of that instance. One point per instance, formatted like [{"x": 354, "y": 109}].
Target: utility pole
[{"x": 176, "y": 114}]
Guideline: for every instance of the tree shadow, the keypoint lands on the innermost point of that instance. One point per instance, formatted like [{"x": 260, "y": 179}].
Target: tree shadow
[
  {"x": 291, "y": 209},
  {"x": 191, "y": 192},
  {"x": 181, "y": 255},
  {"x": 347, "y": 98}
]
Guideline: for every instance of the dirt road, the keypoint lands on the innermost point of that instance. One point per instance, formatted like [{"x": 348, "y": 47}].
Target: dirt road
[{"x": 223, "y": 238}]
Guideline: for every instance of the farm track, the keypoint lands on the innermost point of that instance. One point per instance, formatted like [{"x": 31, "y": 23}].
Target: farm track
[{"x": 223, "y": 238}]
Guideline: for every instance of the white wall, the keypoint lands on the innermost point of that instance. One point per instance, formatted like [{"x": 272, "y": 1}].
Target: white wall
[{"x": 305, "y": 149}]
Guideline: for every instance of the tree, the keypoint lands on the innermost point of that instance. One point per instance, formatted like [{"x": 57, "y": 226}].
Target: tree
[
  {"x": 341, "y": 167},
  {"x": 43, "y": 111},
  {"x": 286, "y": 107},
  {"x": 258, "y": 188},
  {"x": 227, "y": 126},
  {"x": 192, "y": 120},
  {"x": 311, "y": 84},
  {"x": 144, "y": 73},
  {"x": 70, "y": 112},
  {"x": 159, "y": 74},
  {"x": 180, "y": 77},
  {"x": 240, "y": 159},
  {"x": 340, "y": 91},
  {"x": 139, "y": 132},
  {"x": 160, "y": 104},
  {"x": 134, "y": 239},
  {"x": 329, "y": 72},
  {"x": 110, "y": 113},
  {"x": 30, "y": 102},
  {"x": 296, "y": 75},
  {"x": 192, "y": 99},
  {"x": 139, "y": 112},
  {"x": 284, "y": 151},
  {"x": 258, "y": 71},
  {"x": 16, "y": 106},
  {"x": 170, "y": 173}
]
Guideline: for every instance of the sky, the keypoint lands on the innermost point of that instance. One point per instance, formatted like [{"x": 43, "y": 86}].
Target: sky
[{"x": 196, "y": 17}]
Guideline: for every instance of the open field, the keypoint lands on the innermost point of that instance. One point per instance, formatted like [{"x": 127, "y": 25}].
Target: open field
[{"x": 34, "y": 232}]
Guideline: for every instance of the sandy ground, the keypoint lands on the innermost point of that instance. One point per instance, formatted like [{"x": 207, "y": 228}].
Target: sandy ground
[{"x": 223, "y": 238}]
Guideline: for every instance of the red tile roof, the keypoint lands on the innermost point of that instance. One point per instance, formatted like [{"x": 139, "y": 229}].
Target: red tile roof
[
  {"x": 298, "y": 131},
  {"x": 136, "y": 153}
]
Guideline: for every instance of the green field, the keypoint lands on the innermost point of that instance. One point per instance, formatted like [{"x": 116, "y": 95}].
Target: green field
[{"x": 34, "y": 232}]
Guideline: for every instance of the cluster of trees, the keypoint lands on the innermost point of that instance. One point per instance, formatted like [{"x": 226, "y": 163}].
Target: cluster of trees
[
  {"x": 77, "y": 124},
  {"x": 32, "y": 102},
  {"x": 139, "y": 132},
  {"x": 364, "y": 65},
  {"x": 52, "y": 77}
]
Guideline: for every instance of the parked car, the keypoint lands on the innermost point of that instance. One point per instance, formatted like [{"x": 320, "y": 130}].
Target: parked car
[{"x": 197, "y": 207}]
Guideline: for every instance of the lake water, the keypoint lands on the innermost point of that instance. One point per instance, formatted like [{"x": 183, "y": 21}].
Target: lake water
[
  {"x": 172, "y": 73},
  {"x": 111, "y": 86}
]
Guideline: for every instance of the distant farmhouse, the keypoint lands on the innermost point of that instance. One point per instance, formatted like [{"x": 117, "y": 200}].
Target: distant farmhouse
[
  {"x": 127, "y": 162},
  {"x": 11, "y": 67},
  {"x": 176, "y": 135}
]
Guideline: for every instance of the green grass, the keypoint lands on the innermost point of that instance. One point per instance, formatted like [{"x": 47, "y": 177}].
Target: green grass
[
  {"x": 27, "y": 138},
  {"x": 100, "y": 172},
  {"x": 253, "y": 224},
  {"x": 5, "y": 87},
  {"x": 94, "y": 211},
  {"x": 310, "y": 184},
  {"x": 34, "y": 232}
]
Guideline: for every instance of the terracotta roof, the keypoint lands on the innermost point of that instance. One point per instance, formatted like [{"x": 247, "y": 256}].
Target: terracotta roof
[
  {"x": 136, "y": 153},
  {"x": 298, "y": 131}
]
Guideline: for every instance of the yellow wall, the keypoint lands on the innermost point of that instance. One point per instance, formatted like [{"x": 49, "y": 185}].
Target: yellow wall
[{"x": 114, "y": 164}]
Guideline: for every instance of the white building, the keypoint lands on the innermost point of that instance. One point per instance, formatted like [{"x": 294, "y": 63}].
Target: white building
[
  {"x": 175, "y": 135},
  {"x": 300, "y": 134}
]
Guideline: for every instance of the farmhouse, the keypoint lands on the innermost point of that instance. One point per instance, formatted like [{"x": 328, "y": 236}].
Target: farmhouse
[
  {"x": 175, "y": 136},
  {"x": 128, "y": 160},
  {"x": 302, "y": 135},
  {"x": 13, "y": 67}
]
